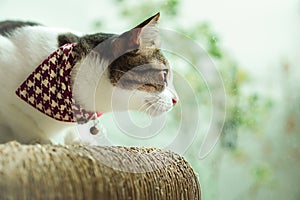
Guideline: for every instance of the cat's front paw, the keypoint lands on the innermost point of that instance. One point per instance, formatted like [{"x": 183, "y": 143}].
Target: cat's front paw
[{"x": 72, "y": 138}]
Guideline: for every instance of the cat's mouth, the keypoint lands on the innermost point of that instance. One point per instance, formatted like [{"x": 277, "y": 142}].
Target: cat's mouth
[{"x": 155, "y": 106}]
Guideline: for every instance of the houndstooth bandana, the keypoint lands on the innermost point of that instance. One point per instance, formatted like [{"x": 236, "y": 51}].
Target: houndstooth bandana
[{"x": 48, "y": 88}]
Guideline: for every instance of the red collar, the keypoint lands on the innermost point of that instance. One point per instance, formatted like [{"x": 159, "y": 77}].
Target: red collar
[{"x": 48, "y": 88}]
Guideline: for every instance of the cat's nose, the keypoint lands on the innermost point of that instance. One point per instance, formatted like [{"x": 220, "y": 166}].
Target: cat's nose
[{"x": 174, "y": 101}]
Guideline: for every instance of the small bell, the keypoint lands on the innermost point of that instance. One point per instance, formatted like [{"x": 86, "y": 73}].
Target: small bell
[{"x": 94, "y": 130}]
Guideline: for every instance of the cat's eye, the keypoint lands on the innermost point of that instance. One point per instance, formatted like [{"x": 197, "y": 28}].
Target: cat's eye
[{"x": 165, "y": 74}]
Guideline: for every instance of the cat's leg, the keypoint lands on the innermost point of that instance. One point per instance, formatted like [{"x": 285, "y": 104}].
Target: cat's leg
[{"x": 72, "y": 136}]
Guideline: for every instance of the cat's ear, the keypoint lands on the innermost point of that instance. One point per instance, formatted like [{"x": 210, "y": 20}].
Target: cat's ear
[
  {"x": 148, "y": 32},
  {"x": 144, "y": 35}
]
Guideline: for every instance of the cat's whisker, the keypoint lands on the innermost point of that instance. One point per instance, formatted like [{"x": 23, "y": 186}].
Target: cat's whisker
[
  {"x": 164, "y": 102},
  {"x": 148, "y": 109},
  {"x": 156, "y": 109},
  {"x": 153, "y": 111},
  {"x": 142, "y": 107},
  {"x": 148, "y": 102},
  {"x": 153, "y": 99},
  {"x": 159, "y": 104}
]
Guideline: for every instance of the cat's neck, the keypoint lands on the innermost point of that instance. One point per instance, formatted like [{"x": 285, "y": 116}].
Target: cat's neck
[{"x": 90, "y": 78}]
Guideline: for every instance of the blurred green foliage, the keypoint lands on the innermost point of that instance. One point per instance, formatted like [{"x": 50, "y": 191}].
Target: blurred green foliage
[{"x": 202, "y": 32}]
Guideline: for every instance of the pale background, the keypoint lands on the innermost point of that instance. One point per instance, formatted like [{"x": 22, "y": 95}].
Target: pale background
[{"x": 262, "y": 37}]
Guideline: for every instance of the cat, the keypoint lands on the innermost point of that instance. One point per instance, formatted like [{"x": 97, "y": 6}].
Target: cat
[{"x": 107, "y": 72}]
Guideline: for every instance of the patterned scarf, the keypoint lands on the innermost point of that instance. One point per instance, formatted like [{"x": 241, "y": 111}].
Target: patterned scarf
[{"x": 48, "y": 88}]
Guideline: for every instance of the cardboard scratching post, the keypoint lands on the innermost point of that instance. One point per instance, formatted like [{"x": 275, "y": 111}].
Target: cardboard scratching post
[{"x": 94, "y": 172}]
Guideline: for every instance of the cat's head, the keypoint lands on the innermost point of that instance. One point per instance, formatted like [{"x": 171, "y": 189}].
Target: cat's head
[{"x": 139, "y": 76}]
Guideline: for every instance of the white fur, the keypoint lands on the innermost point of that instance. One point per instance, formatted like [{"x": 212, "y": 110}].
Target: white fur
[
  {"x": 20, "y": 54},
  {"x": 23, "y": 51}
]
